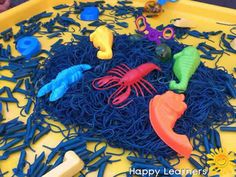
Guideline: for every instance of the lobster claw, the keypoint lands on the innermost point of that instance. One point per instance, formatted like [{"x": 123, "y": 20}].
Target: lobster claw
[
  {"x": 45, "y": 89},
  {"x": 58, "y": 92},
  {"x": 105, "y": 82},
  {"x": 164, "y": 110},
  {"x": 120, "y": 98}
]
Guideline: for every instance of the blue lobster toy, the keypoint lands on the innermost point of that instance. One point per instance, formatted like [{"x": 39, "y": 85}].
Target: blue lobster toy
[{"x": 64, "y": 79}]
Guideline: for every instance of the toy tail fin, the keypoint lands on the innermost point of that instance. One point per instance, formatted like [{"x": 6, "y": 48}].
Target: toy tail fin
[
  {"x": 180, "y": 87},
  {"x": 58, "y": 93},
  {"x": 45, "y": 89}
]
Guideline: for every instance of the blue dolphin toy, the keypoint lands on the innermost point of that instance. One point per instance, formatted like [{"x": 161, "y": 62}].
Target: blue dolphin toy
[{"x": 64, "y": 79}]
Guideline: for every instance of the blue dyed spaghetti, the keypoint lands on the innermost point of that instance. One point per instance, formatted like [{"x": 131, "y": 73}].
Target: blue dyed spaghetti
[{"x": 129, "y": 127}]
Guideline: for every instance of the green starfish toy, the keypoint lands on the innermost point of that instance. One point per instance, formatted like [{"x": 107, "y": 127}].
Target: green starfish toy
[{"x": 186, "y": 63}]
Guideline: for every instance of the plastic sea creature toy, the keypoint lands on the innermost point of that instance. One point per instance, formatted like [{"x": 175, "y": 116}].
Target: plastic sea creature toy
[
  {"x": 126, "y": 78},
  {"x": 64, "y": 79},
  {"x": 163, "y": 2},
  {"x": 71, "y": 165},
  {"x": 220, "y": 162},
  {"x": 164, "y": 111},
  {"x": 185, "y": 65},
  {"x": 151, "y": 33},
  {"x": 28, "y": 46},
  {"x": 102, "y": 39},
  {"x": 152, "y": 8},
  {"x": 233, "y": 44},
  {"x": 4, "y": 5},
  {"x": 184, "y": 23},
  {"x": 89, "y": 14},
  {"x": 163, "y": 52}
]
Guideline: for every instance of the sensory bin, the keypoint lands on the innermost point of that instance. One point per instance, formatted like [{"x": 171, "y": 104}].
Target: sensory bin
[{"x": 36, "y": 132}]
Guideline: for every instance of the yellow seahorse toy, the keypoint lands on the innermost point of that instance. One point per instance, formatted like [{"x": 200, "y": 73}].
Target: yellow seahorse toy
[{"x": 102, "y": 38}]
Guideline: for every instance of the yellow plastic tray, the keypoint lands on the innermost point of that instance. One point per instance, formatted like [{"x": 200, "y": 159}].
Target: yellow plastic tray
[{"x": 205, "y": 17}]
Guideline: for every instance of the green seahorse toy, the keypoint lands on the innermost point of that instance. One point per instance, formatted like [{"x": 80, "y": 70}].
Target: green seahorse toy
[{"x": 186, "y": 63}]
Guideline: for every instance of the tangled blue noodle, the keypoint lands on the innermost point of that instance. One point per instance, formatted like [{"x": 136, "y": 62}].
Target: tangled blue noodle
[{"x": 129, "y": 127}]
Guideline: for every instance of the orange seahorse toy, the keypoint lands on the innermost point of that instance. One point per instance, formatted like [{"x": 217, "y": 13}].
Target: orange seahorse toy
[{"x": 164, "y": 111}]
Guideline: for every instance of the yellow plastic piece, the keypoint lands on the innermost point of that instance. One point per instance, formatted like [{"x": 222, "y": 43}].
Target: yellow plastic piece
[
  {"x": 220, "y": 162},
  {"x": 102, "y": 39},
  {"x": 184, "y": 23},
  {"x": 233, "y": 44},
  {"x": 71, "y": 166}
]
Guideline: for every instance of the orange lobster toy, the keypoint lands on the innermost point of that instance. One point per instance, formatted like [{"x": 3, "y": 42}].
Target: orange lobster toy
[{"x": 164, "y": 110}]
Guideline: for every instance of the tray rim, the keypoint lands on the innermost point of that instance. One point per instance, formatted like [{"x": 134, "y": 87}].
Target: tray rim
[{"x": 22, "y": 11}]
